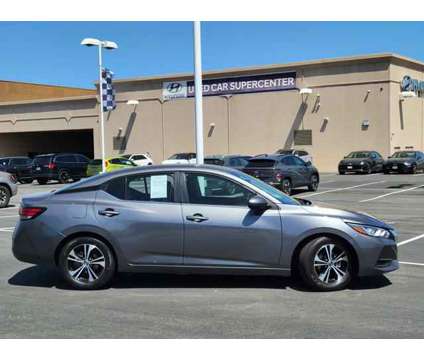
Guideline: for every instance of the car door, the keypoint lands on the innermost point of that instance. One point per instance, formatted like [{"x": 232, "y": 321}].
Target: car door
[
  {"x": 295, "y": 172},
  {"x": 142, "y": 213},
  {"x": 82, "y": 165},
  {"x": 303, "y": 171},
  {"x": 221, "y": 230},
  {"x": 378, "y": 161},
  {"x": 420, "y": 160}
]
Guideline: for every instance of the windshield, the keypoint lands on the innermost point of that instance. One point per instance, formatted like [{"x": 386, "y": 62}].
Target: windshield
[
  {"x": 404, "y": 154},
  {"x": 284, "y": 152},
  {"x": 358, "y": 155},
  {"x": 214, "y": 161},
  {"x": 183, "y": 156},
  {"x": 270, "y": 190}
]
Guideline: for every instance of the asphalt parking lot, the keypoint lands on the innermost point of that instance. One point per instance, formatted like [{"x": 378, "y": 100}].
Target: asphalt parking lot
[{"x": 35, "y": 303}]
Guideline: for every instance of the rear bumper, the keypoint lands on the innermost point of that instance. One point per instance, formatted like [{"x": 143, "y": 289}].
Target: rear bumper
[{"x": 35, "y": 247}]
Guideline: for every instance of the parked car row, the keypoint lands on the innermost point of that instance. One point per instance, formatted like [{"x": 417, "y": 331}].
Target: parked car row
[{"x": 367, "y": 162}]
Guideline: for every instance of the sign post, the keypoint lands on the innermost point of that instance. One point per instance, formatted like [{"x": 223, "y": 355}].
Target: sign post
[{"x": 198, "y": 93}]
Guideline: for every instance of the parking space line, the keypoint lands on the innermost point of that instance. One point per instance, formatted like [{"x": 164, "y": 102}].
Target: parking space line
[
  {"x": 411, "y": 240},
  {"x": 346, "y": 188},
  {"x": 410, "y": 263},
  {"x": 392, "y": 193},
  {"x": 418, "y": 174},
  {"x": 7, "y": 229}
]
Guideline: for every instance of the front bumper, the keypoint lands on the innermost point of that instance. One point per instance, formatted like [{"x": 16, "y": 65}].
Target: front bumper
[
  {"x": 355, "y": 168},
  {"x": 398, "y": 168}
]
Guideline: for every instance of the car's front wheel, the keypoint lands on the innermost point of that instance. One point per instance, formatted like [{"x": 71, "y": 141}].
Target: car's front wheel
[
  {"x": 87, "y": 263},
  {"x": 325, "y": 264}
]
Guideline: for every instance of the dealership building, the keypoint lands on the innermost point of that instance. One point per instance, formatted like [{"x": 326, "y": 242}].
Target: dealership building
[{"x": 328, "y": 107}]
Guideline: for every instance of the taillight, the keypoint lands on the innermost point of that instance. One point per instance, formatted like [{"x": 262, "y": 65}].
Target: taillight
[
  {"x": 279, "y": 176},
  {"x": 13, "y": 179},
  {"x": 106, "y": 163},
  {"x": 51, "y": 166},
  {"x": 27, "y": 213}
]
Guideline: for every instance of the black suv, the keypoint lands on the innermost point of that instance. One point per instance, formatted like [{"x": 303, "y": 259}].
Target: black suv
[
  {"x": 284, "y": 172},
  {"x": 62, "y": 167},
  {"x": 20, "y": 166}
]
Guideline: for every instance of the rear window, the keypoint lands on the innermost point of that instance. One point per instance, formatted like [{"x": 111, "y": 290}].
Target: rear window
[
  {"x": 42, "y": 160},
  {"x": 214, "y": 161},
  {"x": 260, "y": 163}
]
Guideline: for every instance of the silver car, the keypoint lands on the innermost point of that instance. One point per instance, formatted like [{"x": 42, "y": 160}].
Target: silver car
[
  {"x": 196, "y": 219},
  {"x": 8, "y": 188}
]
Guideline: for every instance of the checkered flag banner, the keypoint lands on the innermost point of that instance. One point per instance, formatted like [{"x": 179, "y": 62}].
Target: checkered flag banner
[{"x": 108, "y": 91}]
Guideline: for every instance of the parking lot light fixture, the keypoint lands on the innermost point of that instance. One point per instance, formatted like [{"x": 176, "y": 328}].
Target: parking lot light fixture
[
  {"x": 133, "y": 102},
  {"x": 108, "y": 45}
]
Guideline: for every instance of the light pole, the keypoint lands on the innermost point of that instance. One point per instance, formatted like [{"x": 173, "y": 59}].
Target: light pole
[
  {"x": 198, "y": 92},
  {"x": 108, "y": 45}
]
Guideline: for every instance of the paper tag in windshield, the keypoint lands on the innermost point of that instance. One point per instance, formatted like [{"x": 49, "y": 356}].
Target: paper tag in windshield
[{"x": 159, "y": 187}]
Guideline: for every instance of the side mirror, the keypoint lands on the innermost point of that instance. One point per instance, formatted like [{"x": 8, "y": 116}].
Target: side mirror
[
  {"x": 308, "y": 163},
  {"x": 258, "y": 204},
  {"x": 305, "y": 202}
]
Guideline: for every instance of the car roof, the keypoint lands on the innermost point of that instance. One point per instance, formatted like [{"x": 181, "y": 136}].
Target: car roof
[{"x": 270, "y": 157}]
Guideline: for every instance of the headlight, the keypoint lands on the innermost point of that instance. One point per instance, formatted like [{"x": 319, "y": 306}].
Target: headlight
[
  {"x": 370, "y": 230},
  {"x": 362, "y": 163},
  {"x": 407, "y": 163}
]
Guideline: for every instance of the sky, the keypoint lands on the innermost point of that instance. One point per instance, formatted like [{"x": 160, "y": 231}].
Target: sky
[{"x": 50, "y": 52}]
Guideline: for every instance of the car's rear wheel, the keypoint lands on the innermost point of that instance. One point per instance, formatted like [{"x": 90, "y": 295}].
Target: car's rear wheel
[
  {"x": 341, "y": 172},
  {"x": 314, "y": 182},
  {"x": 42, "y": 181},
  {"x": 87, "y": 263},
  {"x": 64, "y": 177},
  {"x": 325, "y": 264},
  {"x": 286, "y": 186},
  {"x": 368, "y": 169},
  {"x": 4, "y": 196}
]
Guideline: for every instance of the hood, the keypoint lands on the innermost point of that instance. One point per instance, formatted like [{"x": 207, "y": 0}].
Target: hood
[
  {"x": 399, "y": 160},
  {"x": 352, "y": 216},
  {"x": 353, "y": 160}
]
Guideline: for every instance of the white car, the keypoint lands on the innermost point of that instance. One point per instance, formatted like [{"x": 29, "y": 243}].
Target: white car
[
  {"x": 140, "y": 159},
  {"x": 181, "y": 158},
  {"x": 304, "y": 155},
  {"x": 8, "y": 188}
]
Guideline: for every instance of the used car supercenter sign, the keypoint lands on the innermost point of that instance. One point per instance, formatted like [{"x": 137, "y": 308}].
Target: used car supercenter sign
[{"x": 238, "y": 85}]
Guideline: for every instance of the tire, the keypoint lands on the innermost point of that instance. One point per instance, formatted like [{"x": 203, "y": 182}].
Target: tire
[
  {"x": 386, "y": 172},
  {"x": 368, "y": 170},
  {"x": 76, "y": 268},
  {"x": 4, "y": 196},
  {"x": 341, "y": 172},
  {"x": 27, "y": 181},
  {"x": 64, "y": 177},
  {"x": 414, "y": 169},
  {"x": 313, "y": 266},
  {"x": 286, "y": 186},
  {"x": 42, "y": 181},
  {"x": 314, "y": 182}
]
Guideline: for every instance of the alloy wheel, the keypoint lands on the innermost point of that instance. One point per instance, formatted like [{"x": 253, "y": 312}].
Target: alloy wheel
[
  {"x": 85, "y": 263},
  {"x": 286, "y": 186},
  {"x": 331, "y": 264},
  {"x": 314, "y": 183},
  {"x": 3, "y": 196},
  {"x": 64, "y": 177}
]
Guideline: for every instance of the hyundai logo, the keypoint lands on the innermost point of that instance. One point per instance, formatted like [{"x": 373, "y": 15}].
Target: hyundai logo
[
  {"x": 407, "y": 83},
  {"x": 174, "y": 87}
]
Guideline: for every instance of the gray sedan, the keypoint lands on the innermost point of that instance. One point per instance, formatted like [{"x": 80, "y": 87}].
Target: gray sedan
[
  {"x": 8, "y": 188},
  {"x": 196, "y": 219}
]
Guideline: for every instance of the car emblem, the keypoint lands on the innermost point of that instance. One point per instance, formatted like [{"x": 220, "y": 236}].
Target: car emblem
[{"x": 174, "y": 87}]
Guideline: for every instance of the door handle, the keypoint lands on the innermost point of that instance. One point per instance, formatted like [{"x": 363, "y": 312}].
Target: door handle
[
  {"x": 108, "y": 212},
  {"x": 196, "y": 218}
]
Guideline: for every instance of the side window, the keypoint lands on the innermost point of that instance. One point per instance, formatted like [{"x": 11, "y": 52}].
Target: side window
[
  {"x": 289, "y": 160},
  {"x": 138, "y": 157},
  {"x": 157, "y": 187},
  {"x": 116, "y": 187},
  {"x": 215, "y": 190},
  {"x": 298, "y": 161},
  {"x": 374, "y": 155},
  {"x": 65, "y": 158},
  {"x": 192, "y": 156},
  {"x": 82, "y": 159},
  {"x": 235, "y": 162}
]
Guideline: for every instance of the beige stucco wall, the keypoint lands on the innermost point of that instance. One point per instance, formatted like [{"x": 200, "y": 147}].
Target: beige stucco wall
[{"x": 347, "y": 94}]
